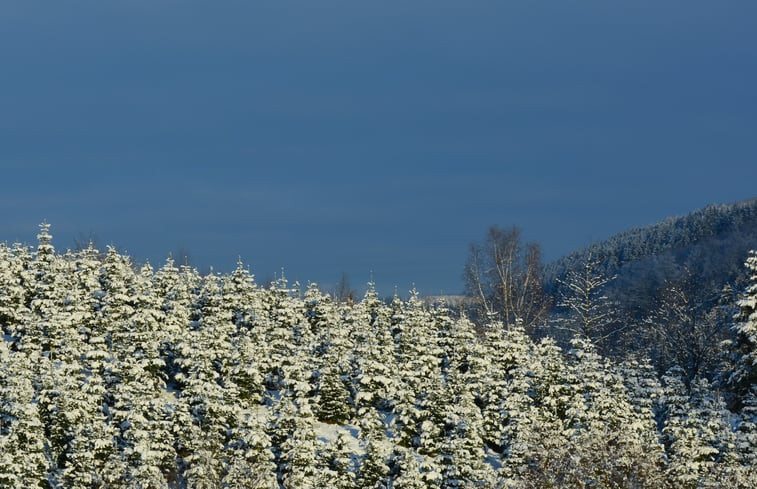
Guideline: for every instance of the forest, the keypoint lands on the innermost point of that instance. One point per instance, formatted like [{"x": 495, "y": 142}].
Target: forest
[{"x": 114, "y": 374}]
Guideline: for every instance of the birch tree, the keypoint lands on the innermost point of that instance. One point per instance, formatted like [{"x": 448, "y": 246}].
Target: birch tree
[{"x": 505, "y": 278}]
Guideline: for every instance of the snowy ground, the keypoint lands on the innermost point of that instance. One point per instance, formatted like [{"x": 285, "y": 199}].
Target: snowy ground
[{"x": 329, "y": 432}]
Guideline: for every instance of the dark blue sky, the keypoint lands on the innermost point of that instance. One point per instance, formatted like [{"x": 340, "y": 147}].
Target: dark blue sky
[{"x": 347, "y": 136}]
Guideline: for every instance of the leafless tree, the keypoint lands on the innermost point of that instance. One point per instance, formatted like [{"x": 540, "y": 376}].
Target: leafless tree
[
  {"x": 505, "y": 278},
  {"x": 590, "y": 313},
  {"x": 343, "y": 292},
  {"x": 679, "y": 332}
]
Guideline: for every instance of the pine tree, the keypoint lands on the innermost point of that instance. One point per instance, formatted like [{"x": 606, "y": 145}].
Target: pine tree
[
  {"x": 377, "y": 383},
  {"x": 294, "y": 442},
  {"x": 174, "y": 289},
  {"x": 691, "y": 457},
  {"x": 22, "y": 441},
  {"x": 547, "y": 433},
  {"x": 333, "y": 397},
  {"x": 13, "y": 277},
  {"x": 241, "y": 298},
  {"x": 517, "y": 411},
  {"x": 249, "y": 461},
  {"x": 406, "y": 470},
  {"x": 746, "y": 436},
  {"x": 90, "y": 440},
  {"x": 39, "y": 330},
  {"x": 208, "y": 397},
  {"x": 461, "y": 457},
  {"x": 335, "y": 467},
  {"x": 744, "y": 375},
  {"x": 374, "y": 469}
]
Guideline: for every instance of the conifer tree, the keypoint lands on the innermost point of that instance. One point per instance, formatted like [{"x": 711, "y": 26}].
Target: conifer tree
[
  {"x": 249, "y": 461},
  {"x": 175, "y": 291},
  {"x": 406, "y": 470},
  {"x": 374, "y": 469},
  {"x": 517, "y": 411},
  {"x": 13, "y": 278},
  {"x": 294, "y": 442},
  {"x": 547, "y": 433},
  {"x": 335, "y": 467},
  {"x": 90, "y": 441},
  {"x": 744, "y": 375},
  {"x": 333, "y": 397},
  {"x": 377, "y": 382},
  {"x": 22, "y": 439},
  {"x": 208, "y": 397},
  {"x": 746, "y": 436},
  {"x": 241, "y": 298},
  {"x": 39, "y": 330},
  {"x": 461, "y": 457},
  {"x": 691, "y": 456}
]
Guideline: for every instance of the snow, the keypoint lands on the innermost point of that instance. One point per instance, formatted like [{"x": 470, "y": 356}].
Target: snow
[
  {"x": 493, "y": 458},
  {"x": 327, "y": 433}
]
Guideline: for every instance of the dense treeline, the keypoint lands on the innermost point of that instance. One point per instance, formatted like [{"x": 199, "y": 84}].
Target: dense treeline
[
  {"x": 710, "y": 243},
  {"x": 113, "y": 375}
]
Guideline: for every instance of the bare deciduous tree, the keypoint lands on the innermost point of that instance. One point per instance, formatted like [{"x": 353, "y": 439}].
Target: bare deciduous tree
[
  {"x": 343, "y": 292},
  {"x": 680, "y": 332},
  {"x": 590, "y": 313},
  {"x": 505, "y": 278}
]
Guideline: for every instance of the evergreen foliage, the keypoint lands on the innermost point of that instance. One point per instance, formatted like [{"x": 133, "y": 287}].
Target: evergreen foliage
[{"x": 113, "y": 375}]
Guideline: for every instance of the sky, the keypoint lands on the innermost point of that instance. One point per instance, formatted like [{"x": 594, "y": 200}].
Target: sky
[{"x": 375, "y": 139}]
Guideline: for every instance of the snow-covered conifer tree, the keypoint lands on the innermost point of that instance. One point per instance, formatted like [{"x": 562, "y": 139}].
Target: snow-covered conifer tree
[
  {"x": 746, "y": 435},
  {"x": 406, "y": 470},
  {"x": 208, "y": 397},
  {"x": 461, "y": 456},
  {"x": 294, "y": 442},
  {"x": 13, "y": 277},
  {"x": 22, "y": 439},
  {"x": 333, "y": 397},
  {"x": 335, "y": 465},
  {"x": 691, "y": 456},
  {"x": 377, "y": 382},
  {"x": 374, "y": 470},
  {"x": 89, "y": 452},
  {"x": 248, "y": 460},
  {"x": 744, "y": 375},
  {"x": 39, "y": 330},
  {"x": 241, "y": 298}
]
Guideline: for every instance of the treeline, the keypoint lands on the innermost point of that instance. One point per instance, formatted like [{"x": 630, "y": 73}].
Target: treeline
[
  {"x": 666, "y": 292},
  {"x": 113, "y": 375},
  {"x": 706, "y": 247},
  {"x": 704, "y": 240}
]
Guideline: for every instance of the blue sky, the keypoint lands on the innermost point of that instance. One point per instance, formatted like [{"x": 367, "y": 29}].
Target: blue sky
[{"x": 346, "y": 136}]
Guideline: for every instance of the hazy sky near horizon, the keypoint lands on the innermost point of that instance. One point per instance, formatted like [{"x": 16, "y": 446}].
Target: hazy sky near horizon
[{"x": 344, "y": 136}]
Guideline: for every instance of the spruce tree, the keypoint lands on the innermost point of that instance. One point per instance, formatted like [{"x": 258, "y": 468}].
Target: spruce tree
[
  {"x": 374, "y": 469},
  {"x": 744, "y": 374},
  {"x": 22, "y": 439}
]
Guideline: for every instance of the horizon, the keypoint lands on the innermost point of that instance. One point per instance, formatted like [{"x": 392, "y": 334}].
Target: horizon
[{"x": 384, "y": 291}]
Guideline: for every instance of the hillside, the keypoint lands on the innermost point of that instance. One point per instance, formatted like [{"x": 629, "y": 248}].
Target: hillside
[{"x": 706, "y": 247}]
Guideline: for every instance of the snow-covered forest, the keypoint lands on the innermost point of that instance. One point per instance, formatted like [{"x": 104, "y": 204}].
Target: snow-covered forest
[{"x": 114, "y": 375}]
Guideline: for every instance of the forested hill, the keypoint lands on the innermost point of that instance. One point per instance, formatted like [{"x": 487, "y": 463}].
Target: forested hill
[{"x": 709, "y": 246}]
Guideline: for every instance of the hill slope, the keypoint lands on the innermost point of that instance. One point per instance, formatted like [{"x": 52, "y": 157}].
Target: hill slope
[{"x": 708, "y": 246}]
